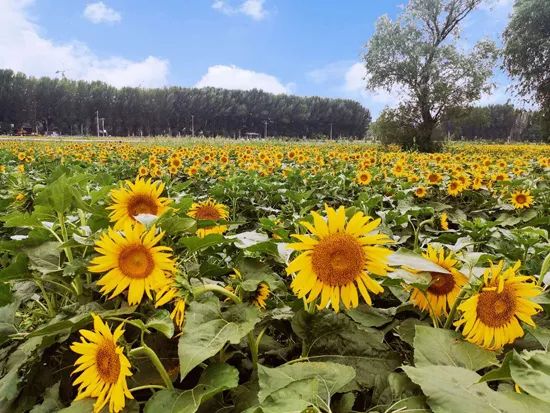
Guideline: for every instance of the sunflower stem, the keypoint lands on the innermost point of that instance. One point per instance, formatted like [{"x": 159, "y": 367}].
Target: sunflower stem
[
  {"x": 452, "y": 313},
  {"x": 148, "y": 351},
  {"x": 147, "y": 386},
  {"x": 218, "y": 289},
  {"x": 49, "y": 303}
]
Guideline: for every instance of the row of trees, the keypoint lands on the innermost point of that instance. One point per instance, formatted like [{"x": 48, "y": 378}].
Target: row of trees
[
  {"x": 72, "y": 107},
  {"x": 494, "y": 123},
  {"x": 418, "y": 53}
]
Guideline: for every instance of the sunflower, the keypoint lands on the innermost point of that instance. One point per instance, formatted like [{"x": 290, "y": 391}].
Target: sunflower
[
  {"x": 170, "y": 292},
  {"x": 103, "y": 367},
  {"x": 211, "y": 211},
  {"x": 133, "y": 262},
  {"x": 454, "y": 188},
  {"x": 338, "y": 258},
  {"x": 490, "y": 318},
  {"x": 444, "y": 288},
  {"x": 260, "y": 295},
  {"x": 443, "y": 221},
  {"x": 143, "y": 171},
  {"x": 141, "y": 197},
  {"x": 363, "y": 177},
  {"x": 433, "y": 178},
  {"x": 522, "y": 199},
  {"x": 420, "y": 192}
]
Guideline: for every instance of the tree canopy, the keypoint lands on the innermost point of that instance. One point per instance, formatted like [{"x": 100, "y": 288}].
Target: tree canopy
[
  {"x": 418, "y": 55},
  {"x": 527, "y": 48},
  {"x": 68, "y": 106}
]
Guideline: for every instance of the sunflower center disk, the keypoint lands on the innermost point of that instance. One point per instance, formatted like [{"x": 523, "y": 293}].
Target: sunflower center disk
[
  {"x": 496, "y": 309},
  {"x": 142, "y": 204},
  {"x": 136, "y": 262},
  {"x": 108, "y": 363},
  {"x": 441, "y": 284},
  {"x": 208, "y": 212},
  {"x": 338, "y": 259},
  {"x": 520, "y": 199}
]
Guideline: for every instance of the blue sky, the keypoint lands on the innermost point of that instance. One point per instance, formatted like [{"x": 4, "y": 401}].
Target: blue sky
[{"x": 304, "y": 47}]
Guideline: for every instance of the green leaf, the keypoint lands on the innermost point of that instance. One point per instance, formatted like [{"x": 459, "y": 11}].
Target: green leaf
[
  {"x": 457, "y": 390},
  {"x": 500, "y": 373},
  {"x": 51, "y": 402},
  {"x": 541, "y": 334},
  {"x": 18, "y": 269},
  {"x": 437, "y": 346},
  {"x": 6, "y": 296},
  {"x": 336, "y": 338},
  {"x": 531, "y": 371},
  {"x": 177, "y": 225},
  {"x": 44, "y": 258},
  {"x": 207, "y": 330},
  {"x": 194, "y": 244},
  {"x": 79, "y": 406},
  {"x": 301, "y": 384},
  {"x": 161, "y": 322},
  {"x": 369, "y": 316},
  {"x": 215, "y": 379},
  {"x": 58, "y": 195},
  {"x": 414, "y": 261}
]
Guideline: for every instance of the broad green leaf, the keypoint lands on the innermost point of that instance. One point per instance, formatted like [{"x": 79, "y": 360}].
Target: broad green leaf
[
  {"x": 45, "y": 258},
  {"x": 177, "y": 225},
  {"x": 207, "y": 330},
  {"x": 437, "y": 346},
  {"x": 336, "y": 338},
  {"x": 51, "y": 402},
  {"x": 194, "y": 244},
  {"x": 215, "y": 379},
  {"x": 301, "y": 384},
  {"x": 502, "y": 372},
  {"x": 79, "y": 406},
  {"x": 531, "y": 371},
  {"x": 161, "y": 322},
  {"x": 369, "y": 316},
  {"x": 18, "y": 269},
  {"x": 457, "y": 390},
  {"x": 414, "y": 261},
  {"x": 6, "y": 296},
  {"x": 541, "y": 334}
]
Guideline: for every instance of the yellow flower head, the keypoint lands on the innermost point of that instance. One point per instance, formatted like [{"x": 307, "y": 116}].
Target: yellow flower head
[
  {"x": 141, "y": 197},
  {"x": 338, "y": 257},
  {"x": 490, "y": 318},
  {"x": 522, "y": 199},
  {"x": 363, "y": 177},
  {"x": 209, "y": 210},
  {"x": 444, "y": 288},
  {"x": 131, "y": 260},
  {"x": 103, "y": 367}
]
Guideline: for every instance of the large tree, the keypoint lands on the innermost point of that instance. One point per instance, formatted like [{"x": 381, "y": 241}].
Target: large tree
[
  {"x": 527, "y": 52},
  {"x": 418, "y": 55}
]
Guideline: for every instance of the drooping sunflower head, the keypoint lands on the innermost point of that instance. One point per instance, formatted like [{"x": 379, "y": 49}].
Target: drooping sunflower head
[
  {"x": 260, "y": 295},
  {"x": 132, "y": 260},
  {"x": 443, "y": 221},
  {"x": 522, "y": 199},
  {"x": 209, "y": 210},
  {"x": 173, "y": 293},
  {"x": 103, "y": 367},
  {"x": 338, "y": 257},
  {"x": 443, "y": 288},
  {"x": 491, "y": 317},
  {"x": 140, "y": 197}
]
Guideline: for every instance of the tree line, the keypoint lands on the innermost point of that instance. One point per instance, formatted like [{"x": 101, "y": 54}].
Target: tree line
[{"x": 76, "y": 107}]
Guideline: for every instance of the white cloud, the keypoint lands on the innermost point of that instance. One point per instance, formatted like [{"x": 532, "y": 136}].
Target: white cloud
[
  {"x": 23, "y": 48},
  {"x": 233, "y": 77},
  {"x": 101, "y": 13},
  {"x": 251, "y": 8},
  {"x": 355, "y": 80}
]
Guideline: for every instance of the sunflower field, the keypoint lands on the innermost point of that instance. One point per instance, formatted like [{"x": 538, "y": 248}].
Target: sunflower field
[{"x": 273, "y": 277}]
